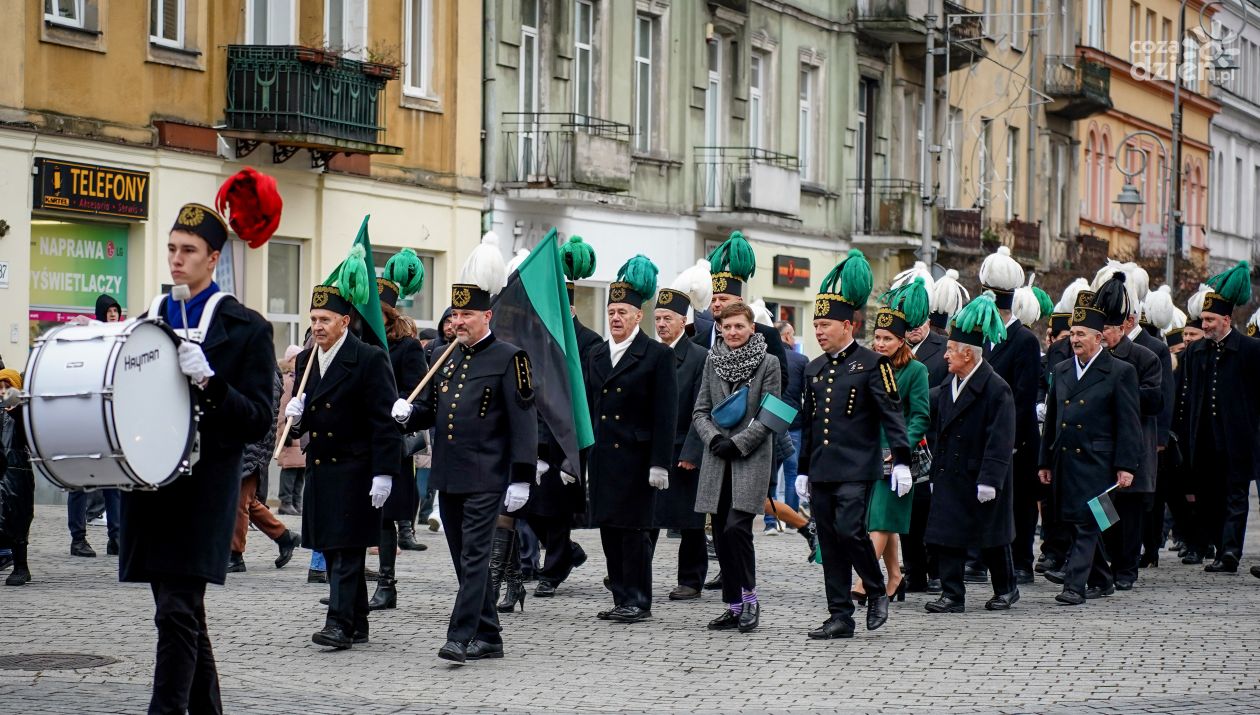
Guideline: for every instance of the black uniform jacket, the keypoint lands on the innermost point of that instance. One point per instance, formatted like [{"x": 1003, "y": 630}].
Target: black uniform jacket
[
  {"x": 1151, "y": 406},
  {"x": 1093, "y": 429},
  {"x": 675, "y": 507},
  {"x": 634, "y": 408},
  {"x": 847, "y": 399},
  {"x": 975, "y": 437},
  {"x": 407, "y": 358},
  {"x": 485, "y": 427},
  {"x": 1167, "y": 382},
  {"x": 931, "y": 352},
  {"x": 1017, "y": 360},
  {"x": 184, "y": 529},
  {"x": 351, "y": 438},
  {"x": 1230, "y": 399}
]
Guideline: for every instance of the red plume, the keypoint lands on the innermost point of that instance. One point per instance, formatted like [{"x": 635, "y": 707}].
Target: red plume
[{"x": 251, "y": 203}]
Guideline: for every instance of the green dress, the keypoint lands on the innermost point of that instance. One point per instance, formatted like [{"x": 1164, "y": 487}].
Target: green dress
[{"x": 887, "y": 511}]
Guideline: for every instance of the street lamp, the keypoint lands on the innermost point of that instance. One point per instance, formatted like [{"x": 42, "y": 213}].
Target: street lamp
[{"x": 1129, "y": 199}]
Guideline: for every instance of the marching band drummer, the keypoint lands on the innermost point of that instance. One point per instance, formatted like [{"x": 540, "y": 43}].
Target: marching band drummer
[{"x": 177, "y": 538}]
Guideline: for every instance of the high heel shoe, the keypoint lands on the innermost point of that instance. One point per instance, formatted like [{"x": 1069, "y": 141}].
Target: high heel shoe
[
  {"x": 899, "y": 593},
  {"x": 859, "y": 597}
]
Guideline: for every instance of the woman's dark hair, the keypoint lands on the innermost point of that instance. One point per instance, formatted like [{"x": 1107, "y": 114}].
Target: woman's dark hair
[
  {"x": 397, "y": 325},
  {"x": 734, "y": 309}
]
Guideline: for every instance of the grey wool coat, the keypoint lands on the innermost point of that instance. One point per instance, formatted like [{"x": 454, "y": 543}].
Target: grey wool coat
[{"x": 750, "y": 476}]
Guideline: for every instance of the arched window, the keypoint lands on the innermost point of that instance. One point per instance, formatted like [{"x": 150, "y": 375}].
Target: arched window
[
  {"x": 1104, "y": 180},
  {"x": 1090, "y": 188}
]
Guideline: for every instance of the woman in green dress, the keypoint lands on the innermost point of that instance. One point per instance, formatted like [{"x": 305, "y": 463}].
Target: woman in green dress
[{"x": 906, "y": 307}]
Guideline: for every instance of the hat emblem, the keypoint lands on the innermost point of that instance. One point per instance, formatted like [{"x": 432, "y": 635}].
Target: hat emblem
[
  {"x": 1078, "y": 315},
  {"x": 192, "y": 216},
  {"x": 617, "y": 293},
  {"x": 666, "y": 297},
  {"x": 319, "y": 299},
  {"x": 719, "y": 284},
  {"x": 460, "y": 297},
  {"x": 884, "y": 320},
  {"x": 822, "y": 306}
]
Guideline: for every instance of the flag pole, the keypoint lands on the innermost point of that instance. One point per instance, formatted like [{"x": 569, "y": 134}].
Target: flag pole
[
  {"x": 283, "y": 437},
  {"x": 432, "y": 371}
]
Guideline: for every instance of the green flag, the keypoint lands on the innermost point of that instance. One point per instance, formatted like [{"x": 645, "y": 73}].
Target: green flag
[{"x": 370, "y": 310}]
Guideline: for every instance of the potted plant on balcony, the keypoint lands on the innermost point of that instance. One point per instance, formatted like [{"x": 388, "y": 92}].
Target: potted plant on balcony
[
  {"x": 383, "y": 62},
  {"x": 989, "y": 239}
]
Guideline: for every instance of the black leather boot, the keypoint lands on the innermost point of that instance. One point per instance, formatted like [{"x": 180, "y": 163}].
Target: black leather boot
[
  {"x": 499, "y": 548},
  {"x": 513, "y": 578},
  {"x": 386, "y": 595},
  {"x": 21, "y": 572},
  {"x": 407, "y": 537}
]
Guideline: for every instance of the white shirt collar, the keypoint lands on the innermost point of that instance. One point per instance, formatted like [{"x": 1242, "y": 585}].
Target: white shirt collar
[
  {"x": 1009, "y": 321},
  {"x": 958, "y": 385},
  {"x": 1135, "y": 332},
  {"x": 1076, "y": 362},
  {"x": 616, "y": 350},
  {"x": 325, "y": 357},
  {"x": 680, "y": 337}
]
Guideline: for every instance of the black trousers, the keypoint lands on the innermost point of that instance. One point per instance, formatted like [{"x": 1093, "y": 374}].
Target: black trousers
[
  {"x": 629, "y": 556},
  {"x": 347, "y": 590},
  {"x": 184, "y": 678},
  {"x": 555, "y": 533},
  {"x": 1123, "y": 540},
  {"x": 1234, "y": 528},
  {"x": 732, "y": 529},
  {"x": 1056, "y": 536},
  {"x": 693, "y": 556},
  {"x": 921, "y": 562},
  {"x": 840, "y": 513},
  {"x": 952, "y": 561},
  {"x": 291, "y": 481},
  {"x": 1086, "y": 560},
  {"x": 1027, "y": 491},
  {"x": 469, "y": 521}
]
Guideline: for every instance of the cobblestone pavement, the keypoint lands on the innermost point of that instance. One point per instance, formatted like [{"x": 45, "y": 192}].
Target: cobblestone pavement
[{"x": 1182, "y": 642}]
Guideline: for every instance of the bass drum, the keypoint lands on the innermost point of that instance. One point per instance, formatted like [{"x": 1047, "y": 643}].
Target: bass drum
[{"x": 108, "y": 406}]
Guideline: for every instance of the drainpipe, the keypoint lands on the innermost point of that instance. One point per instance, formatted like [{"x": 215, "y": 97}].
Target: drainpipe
[
  {"x": 489, "y": 114},
  {"x": 929, "y": 133},
  {"x": 1030, "y": 176}
]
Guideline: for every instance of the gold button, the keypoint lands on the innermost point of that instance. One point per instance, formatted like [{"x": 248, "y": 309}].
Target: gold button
[
  {"x": 450, "y": 426},
  {"x": 1063, "y": 425},
  {"x": 826, "y": 420},
  {"x": 1079, "y": 427},
  {"x": 334, "y": 460},
  {"x": 459, "y": 385},
  {"x": 317, "y": 463},
  {"x": 450, "y": 417},
  {"x": 616, "y": 417},
  {"x": 828, "y": 389},
  {"x": 603, "y": 417},
  {"x": 605, "y": 390},
  {"x": 825, "y": 442},
  {"x": 1082, "y": 402},
  {"x": 457, "y": 395},
  {"x": 1067, "y": 402},
  {"x": 827, "y": 399},
  {"x": 618, "y": 389},
  {"x": 450, "y": 437},
  {"x": 330, "y": 434},
  {"x": 328, "y": 405},
  {"x": 1078, "y": 450},
  {"x": 616, "y": 445}
]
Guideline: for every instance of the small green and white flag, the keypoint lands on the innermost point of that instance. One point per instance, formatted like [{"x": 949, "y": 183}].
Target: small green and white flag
[{"x": 1104, "y": 511}]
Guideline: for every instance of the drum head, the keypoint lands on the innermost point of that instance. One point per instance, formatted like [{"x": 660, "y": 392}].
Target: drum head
[{"x": 152, "y": 405}]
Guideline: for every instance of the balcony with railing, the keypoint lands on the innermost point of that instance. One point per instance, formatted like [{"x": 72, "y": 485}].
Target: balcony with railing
[
  {"x": 883, "y": 207},
  {"x": 1078, "y": 87},
  {"x": 904, "y": 22},
  {"x": 566, "y": 151},
  {"x": 305, "y": 98},
  {"x": 963, "y": 37},
  {"x": 1023, "y": 238},
  {"x": 747, "y": 179},
  {"x": 893, "y": 20},
  {"x": 961, "y": 230}
]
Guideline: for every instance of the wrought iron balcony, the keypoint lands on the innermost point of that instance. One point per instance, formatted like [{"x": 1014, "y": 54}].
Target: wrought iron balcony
[
  {"x": 747, "y": 179},
  {"x": 903, "y": 21},
  {"x": 1023, "y": 238},
  {"x": 1078, "y": 87},
  {"x": 885, "y": 206},
  {"x": 560, "y": 150},
  {"x": 305, "y": 98},
  {"x": 961, "y": 229}
]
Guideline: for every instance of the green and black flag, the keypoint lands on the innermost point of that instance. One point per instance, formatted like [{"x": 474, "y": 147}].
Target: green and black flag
[
  {"x": 369, "y": 308},
  {"x": 532, "y": 312},
  {"x": 1103, "y": 510}
]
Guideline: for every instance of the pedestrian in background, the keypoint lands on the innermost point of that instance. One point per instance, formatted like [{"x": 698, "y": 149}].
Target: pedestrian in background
[{"x": 291, "y": 461}]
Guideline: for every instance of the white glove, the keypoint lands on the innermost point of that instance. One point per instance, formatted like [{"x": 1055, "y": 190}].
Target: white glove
[
  {"x": 193, "y": 362},
  {"x": 540, "y": 468},
  {"x": 658, "y": 477},
  {"x": 517, "y": 495},
  {"x": 1041, "y": 412},
  {"x": 901, "y": 480},
  {"x": 401, "y": 411},
  {"x": 566, "y": 478},
  {"x": 985, "y": 493},
  {"x": 295, "y": 408},
  {"x": 802, "y": 486},
  {"x": 381, "y": 487}
]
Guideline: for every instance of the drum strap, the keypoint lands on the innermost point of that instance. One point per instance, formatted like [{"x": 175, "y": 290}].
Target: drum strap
[{"x": 197, "y": 334}]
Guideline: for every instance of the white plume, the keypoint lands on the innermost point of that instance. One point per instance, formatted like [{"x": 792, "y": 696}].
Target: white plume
[
  {"x": 919, "y": 270},
  {"x": 696, "y": 282},
  {"x": 1000, "y": 271},
  {"x": 1254, "y": 320},
  {"x": 1178, "y": 321},
  {"x": 1067, "y": 303},
  {"x": 1025, "y": 307},
  {"x": 761, "y": 314},
  {"x": 517, "y": 260},
  {"x": 948, "y": 295},
  {"x": 1159, "y": 307},
  {"x": 1194, "y": 306},
  {"x": 484, "y": 267},
  {"x": 1139, "y": 279}
]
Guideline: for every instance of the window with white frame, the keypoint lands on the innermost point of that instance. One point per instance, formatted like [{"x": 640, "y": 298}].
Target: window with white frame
[
  {"x": 644, "y": 28},
  {"x": 953, "y": 139},
  {"x": 713, "y": 124},
  {"x": 64, "y": 12},
  {"x": 583, "y": 57},
  {"x": 1061, "y": 176},
  {"x": 528, "y": 90},
  {"x": 1190, "y": 64},
  {"x": 271, "y": 22},
  {"x": 418, "y": 49},
  {"x": 863, "y": 126},
  {"x": 284, "y": 292},
  {"x": 166, "y": 22},
  {"x": 1012, "y": 168},
  {"x": 418, "y": 307},
  {"x": 756, "y": 105},
  {"x": 986, "y": 161},
  {"x": 805, "y": 123},
  {"x": 1095, "y": 24},
  {"x": 345, "y": 27},
  {"x": 1017, "y": 25}
]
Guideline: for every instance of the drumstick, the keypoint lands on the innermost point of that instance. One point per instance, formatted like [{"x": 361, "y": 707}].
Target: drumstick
[
  {"x": 288, "y": 421},
  {"x": 432, "y": 371},
  {"x": 182, "y": 293}
]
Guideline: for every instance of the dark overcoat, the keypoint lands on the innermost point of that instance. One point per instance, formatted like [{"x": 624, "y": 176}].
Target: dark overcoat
[
  {"x": 409, "y": 363},
  {"x": 184, "y": 529},
  {"x": 1058, "y": 351},
  {"x": 676, "y": 506},
  {"x": 1167, "y": 382},
  {"x": 634, "y": 408},
  {"x": 1231, "y": 393},
  {"x": 975, "y": 438},
  {"x": 1093, "y": 429},
  {"x": 931, "y": 352},
  {"x": 352, "y": 438},
  {"x": 1150, "y": 405},
  {"x": 1017, "y": 360}
]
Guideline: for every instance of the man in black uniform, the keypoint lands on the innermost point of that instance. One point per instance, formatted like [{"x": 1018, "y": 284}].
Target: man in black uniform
[
  {"x": 1092, "y": 440},
  {"x": 850, "y": 394},
  {"x": 177, "y": 538},
  {"x": 485, "y": 448},
  {"x": 632, "y": 392}
]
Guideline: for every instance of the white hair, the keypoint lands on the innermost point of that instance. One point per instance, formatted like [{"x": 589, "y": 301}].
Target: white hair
[{"x": 976, "y": 352}]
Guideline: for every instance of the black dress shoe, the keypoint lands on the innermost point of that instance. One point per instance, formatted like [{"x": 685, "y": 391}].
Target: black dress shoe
[
  {"x": 360, "y": 638},
  {"x": 454, "y": 652},
  {"x": 81, "y": 548},
  {"x": 332, "y": 637},
  {"x": 1055, "y": 577},
  {"x": 876, "y": 611},
  {"x": 1070, "y": 597},
  {"x": 605, "y": 615},
  {"x": 324, "y": 601},
  {"x": 944, "y": 604},
  {"x": 629, "y": 614},
  {"x": 972, "y": 575},
  {"x": 1255, "y": 571},
  {"x": 287, "y": 543},
  {"x": 1046, "y": 562},
  {"x": 607, "y": 583},
  {"x": 6, "y": 560},
  {"x": 725, "y": 622},
  {"x": 1192, "y": 557},
  {"x": 1022, "y": 577},
  {"x": 111, "y": 547},
  {"x": 683, "y": 593},
  {"x": 1003, "y": 602},
  {"x": 934, "y": 585},
  {"x": 750, "y": 617},
  {"x": 715, "y": 584},
  {"x": 835, "y": 627},
  {"x": 544, "y": 589},
  {"x": 478, "y": 650},
  {"x": 236, "y": 563},
  {"x": 1099, "y": 591},
  {"x": 313, "y": 576},
  {"x": 1225, "y": 563},
  {"x": 1122, "y": 585}
]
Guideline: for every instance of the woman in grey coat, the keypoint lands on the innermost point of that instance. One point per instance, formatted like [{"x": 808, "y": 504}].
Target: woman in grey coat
[{"x": 735, "y": 474}]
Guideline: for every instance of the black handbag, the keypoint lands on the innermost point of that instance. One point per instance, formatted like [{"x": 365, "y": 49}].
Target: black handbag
[
  {"x": 920, "y": 462},
  {"x": 415, "y": 442}
]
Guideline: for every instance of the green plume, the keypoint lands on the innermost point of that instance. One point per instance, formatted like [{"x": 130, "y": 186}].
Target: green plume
[
  {"x": 353, "y": 279},
  {"x": 577, "y": 258},
  {"x": 911, "y": 299},
  {"x": 981, "y": 316},
  {"x": 734, "y": 255},
  {"x": 407, "y": 271},
  {"x": 1043, "y": 299},
  {"x": 1234, "y": 284},
  {"x": 640, "y": 272},
  {"x": 856, "y": 279}
]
